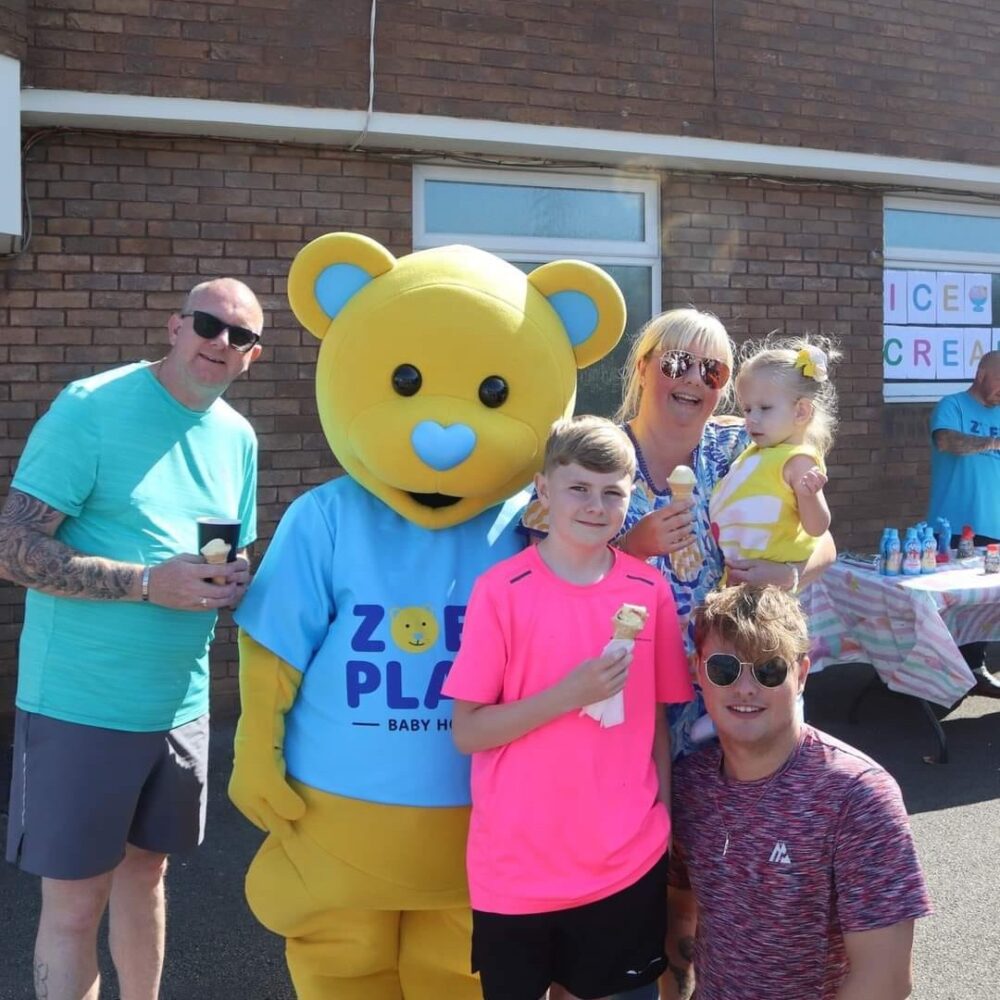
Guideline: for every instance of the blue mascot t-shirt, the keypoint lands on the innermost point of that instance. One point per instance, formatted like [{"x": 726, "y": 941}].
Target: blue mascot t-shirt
[{"x": 369, "y": 608}]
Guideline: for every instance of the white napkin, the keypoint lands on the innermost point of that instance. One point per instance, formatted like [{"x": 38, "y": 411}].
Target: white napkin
[{"x": 610, "y": 711}]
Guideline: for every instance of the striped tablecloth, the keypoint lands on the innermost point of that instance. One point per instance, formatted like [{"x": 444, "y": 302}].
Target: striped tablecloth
[{"x": 908, "y": 628}]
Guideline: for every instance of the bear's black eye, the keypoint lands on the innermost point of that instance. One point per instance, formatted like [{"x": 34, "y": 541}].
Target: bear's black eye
[
  {"x": 493, "y": 391},
  {"x": 406, "y": 380}
]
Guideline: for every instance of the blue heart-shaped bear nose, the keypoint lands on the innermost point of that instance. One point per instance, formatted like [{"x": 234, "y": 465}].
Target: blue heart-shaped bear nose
[{"x": 442, "y": 448}]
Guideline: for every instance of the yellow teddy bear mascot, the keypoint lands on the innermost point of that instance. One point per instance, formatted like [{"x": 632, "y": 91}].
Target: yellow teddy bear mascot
[{"x": 437, "y": 380}]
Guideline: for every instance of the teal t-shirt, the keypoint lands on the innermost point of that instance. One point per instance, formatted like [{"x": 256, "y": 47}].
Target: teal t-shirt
[
  {"x": 369, "y": 608},
  {"x": 132, "y": 469},
  {"x": 965, "y": 488}
]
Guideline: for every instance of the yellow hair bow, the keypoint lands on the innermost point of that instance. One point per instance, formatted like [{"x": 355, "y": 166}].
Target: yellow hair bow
[{"x": 811, "y": 361}]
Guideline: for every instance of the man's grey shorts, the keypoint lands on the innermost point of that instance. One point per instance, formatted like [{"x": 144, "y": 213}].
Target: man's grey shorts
[{"x": 78, "y": 794}]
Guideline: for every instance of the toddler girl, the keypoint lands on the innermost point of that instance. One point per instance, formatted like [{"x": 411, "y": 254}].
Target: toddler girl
[{"x": 771, "y": 504}]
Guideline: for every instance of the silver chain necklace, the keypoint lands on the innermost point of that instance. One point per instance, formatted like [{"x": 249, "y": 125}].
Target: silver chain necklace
[{"x": 750, "y": 813}]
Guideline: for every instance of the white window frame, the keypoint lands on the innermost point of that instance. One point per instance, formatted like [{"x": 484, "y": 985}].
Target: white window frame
[
  {"x": 942, "y": 260},
  {"x": 919, "y": 258},
  {"x": 643, "y": 253}
]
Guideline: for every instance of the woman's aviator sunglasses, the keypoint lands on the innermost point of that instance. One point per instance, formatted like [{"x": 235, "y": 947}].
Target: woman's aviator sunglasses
[
  {"x": 723, "y": 669},
  {"x": 676, "y": 364},
  {"x": 209, "y": 327}
]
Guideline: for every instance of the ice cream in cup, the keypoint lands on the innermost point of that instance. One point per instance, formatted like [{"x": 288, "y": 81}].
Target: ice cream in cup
[{"x": 218, "y": 541}]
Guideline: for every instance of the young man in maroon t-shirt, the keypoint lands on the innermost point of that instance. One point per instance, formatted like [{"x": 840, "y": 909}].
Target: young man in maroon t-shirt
[{"x": 793, "y": 870}]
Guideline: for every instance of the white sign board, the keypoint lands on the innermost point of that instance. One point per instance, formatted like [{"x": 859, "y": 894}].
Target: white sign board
[{"x": 937, "y": 325}]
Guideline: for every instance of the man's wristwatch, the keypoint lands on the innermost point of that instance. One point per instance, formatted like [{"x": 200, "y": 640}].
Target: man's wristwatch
[{"x": 145, "y": 582}]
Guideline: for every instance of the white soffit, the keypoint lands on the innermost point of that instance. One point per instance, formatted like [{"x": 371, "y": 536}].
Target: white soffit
[
  {"x": 10, "y": 147},
  {"x": 437, "y": 134}
]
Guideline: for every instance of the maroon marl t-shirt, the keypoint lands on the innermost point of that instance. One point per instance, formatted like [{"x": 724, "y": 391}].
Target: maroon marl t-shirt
[{"x": 820, "y": 848}]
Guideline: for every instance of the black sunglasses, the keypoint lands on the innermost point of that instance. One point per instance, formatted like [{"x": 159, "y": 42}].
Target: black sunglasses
[
  {"x": 676, "y": 364},
  {"x": 209, "y": 327},
  {"x": 723, "y": 669}
]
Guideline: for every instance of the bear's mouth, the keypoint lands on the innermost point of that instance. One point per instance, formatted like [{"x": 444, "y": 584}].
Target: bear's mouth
[{"x": 434, "y": 500}]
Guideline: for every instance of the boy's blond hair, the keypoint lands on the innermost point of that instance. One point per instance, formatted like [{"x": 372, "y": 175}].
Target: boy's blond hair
[
  {"x": 756, "y": 621},
  {"x": 592, "y": 442}
]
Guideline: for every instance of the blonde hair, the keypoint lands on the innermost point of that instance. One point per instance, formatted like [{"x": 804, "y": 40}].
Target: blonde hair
[
  {"x": 775, "y": 358},
  {"x": 593, "y": 442},
  {"x": 756, "y": 621},
  {"x": 688, "y": 329}
]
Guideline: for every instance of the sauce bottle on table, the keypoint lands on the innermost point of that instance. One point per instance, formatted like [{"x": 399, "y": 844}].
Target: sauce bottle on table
[
  {"x": 966, "y": 544},
  {"x": 943, "y": 534},
  {"x": 991, "y": 564}
]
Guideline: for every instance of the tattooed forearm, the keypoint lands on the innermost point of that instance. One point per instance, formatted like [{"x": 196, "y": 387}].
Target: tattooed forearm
[
  {"x": 957, "y": 443},
  {"x": 31, "y": 557},
  {"x": 683, "y": 979},
  {"x": 41, "y": 980},
  {"x": 683, "y": 972}
]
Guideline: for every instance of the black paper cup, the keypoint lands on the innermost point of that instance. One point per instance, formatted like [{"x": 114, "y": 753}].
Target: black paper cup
[{"x": 225, "y": 528}]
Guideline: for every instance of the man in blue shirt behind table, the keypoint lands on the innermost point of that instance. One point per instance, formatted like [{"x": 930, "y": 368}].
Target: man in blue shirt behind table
[
  {"x": 111, "y": 730},
  {"x": 965, "y": 477}
]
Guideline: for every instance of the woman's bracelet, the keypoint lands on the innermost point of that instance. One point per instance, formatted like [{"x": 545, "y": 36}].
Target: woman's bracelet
[{"x": 794, "y": 588}]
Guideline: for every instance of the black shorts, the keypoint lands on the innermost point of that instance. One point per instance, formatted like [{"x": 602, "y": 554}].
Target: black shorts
[
  {"x": 80, "y": 793},
  {"x": 609, "y": 946}
]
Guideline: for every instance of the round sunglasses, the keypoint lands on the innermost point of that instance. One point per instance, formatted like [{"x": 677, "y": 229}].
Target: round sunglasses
[
  {"x": 208, "y": 327},
  {"x": 676, "y": 364},
  {"x": 723, "y": 669}
]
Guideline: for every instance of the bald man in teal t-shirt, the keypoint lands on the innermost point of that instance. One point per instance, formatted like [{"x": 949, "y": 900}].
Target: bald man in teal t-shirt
[{"x": 111, "y": 729}]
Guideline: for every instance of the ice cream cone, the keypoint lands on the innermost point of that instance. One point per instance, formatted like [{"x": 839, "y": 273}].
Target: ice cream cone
[
  {"x": 216, "y": 553},
  {"x": 686, "y": 562},
  {"x": 628, "y": 621}
]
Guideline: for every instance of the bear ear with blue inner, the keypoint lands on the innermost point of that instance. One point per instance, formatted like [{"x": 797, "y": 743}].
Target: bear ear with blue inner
[
  {"x": 328, "y": 272},
  {"x": 588, "y": 303}
]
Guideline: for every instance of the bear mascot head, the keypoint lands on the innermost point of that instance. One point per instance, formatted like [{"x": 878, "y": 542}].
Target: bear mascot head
[{"x": 441, "y": 372}]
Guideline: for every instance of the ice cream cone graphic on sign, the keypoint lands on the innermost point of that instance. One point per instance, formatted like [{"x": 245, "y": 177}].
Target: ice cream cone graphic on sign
[{"x": 686, "y": 562}]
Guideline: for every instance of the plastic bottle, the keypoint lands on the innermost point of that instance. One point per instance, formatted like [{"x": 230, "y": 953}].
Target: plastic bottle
[
  {"x": 966, "y": 544},
  {"x": 883, "y": 552},
  {"x": 943, "y": 540},
  {"x": 894, "y": 553},
  {"x": 991, "y": 564},
  {"x": 912, "y": 553},
  {"x": 928, "y": 560}
]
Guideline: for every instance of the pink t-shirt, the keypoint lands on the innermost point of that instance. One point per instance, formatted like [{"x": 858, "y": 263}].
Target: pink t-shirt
[{"x": 567, "y": 814}]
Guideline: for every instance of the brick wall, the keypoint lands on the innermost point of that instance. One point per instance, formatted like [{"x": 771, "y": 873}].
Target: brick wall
[
  {"x": 798, "y": 259},
  {"x": 914, "y": 79},
  {"x": 124, "y": 226},
  {"x": 13, "y": 28},
  {"x": 122, "y": 229}
]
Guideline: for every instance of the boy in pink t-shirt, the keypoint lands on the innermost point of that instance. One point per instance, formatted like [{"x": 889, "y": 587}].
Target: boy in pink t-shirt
[{"x": 569, "y": 831}]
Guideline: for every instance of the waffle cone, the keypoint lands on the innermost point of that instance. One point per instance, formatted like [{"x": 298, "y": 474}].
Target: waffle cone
[
  {"x": 628, "y": 621},
  {"x": 214, "y": 555}
]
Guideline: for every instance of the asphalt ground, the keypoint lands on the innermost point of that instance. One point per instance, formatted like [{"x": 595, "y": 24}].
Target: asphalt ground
[{"x": 216, "y": 951}]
